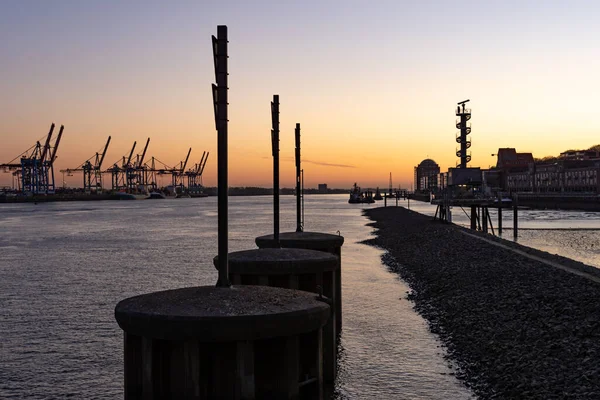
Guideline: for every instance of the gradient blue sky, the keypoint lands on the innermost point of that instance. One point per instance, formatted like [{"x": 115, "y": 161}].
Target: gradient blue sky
[{"x": 374, "y": 84}]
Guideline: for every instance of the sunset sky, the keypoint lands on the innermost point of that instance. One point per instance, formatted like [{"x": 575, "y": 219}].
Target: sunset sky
[{"x": 374, "y": 84}]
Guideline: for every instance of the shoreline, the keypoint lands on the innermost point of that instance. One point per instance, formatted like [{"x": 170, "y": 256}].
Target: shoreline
[{"x": 516, "y": 327}]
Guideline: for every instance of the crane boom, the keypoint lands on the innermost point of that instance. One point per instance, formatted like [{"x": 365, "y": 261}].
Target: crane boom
[
  {"x": 53, "y": 157},
  {"x": 186, "y": 160},
  {"x": 130, "y": 154},
  {"x": 204, "y": 164},
  {"x": 103, "y": 154},
  {"x": 141, "y": 162},
  {"x": 200, "y": 164},
  {"x": 47, "y": 144}
]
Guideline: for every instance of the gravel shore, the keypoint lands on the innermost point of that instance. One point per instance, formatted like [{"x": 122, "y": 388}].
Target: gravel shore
[{"x": 516, "y": 328}]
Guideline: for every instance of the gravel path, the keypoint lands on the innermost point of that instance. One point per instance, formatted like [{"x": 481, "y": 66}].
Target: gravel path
[{"x": 515, "y": 327}]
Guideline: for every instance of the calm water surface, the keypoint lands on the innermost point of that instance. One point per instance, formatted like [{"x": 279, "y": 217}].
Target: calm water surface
[
  {"x": 64, "y": 266},
  {"x": 572, "y": 234}
]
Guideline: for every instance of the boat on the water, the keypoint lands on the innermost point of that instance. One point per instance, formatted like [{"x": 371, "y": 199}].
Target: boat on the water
[
  {"x": 132, "y": 196},
  {"x": 196, "y": 191},
  {"x": 377, "y": 195},
  {"x": 357, "y": 196},
  {"x": 157, "y": 195}
]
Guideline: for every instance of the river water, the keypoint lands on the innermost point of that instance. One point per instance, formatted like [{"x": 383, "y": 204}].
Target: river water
[
  {"x": 571, "y": 234},
  {"x": 64, "y": 266}
]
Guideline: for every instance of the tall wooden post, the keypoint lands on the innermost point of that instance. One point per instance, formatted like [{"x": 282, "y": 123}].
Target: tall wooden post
[
  {"x": 220, "y": 107},
  {"x": 275, "y": 144},
  {"x": 299, "y": 194}
]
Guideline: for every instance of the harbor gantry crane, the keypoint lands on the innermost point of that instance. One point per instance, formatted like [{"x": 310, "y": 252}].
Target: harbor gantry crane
[
  {"x": 118, "y": 173},
  {"x": 35, "y": 169},
  {"x": 177, "y": 174},
  {"x": 152, "y": 170},
  {"x": 194, "y": 176},
  {"x": 92, "y": 172},
  {"x": 135, "y": 174}
]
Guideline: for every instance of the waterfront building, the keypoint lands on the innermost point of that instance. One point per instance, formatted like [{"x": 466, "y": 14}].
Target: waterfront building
[
  {"x": 429, "y": 170},
  {"x": 442, "y": 181},
  {"x": 579, "y": 155},
  {"x": 508, "y": 158},
  {"x": 322, "y": 188},
  {"x": 560, "y": 176}
]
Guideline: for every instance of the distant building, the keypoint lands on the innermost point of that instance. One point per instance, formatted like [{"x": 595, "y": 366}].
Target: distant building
[
  {"x": 509, "y": 158},
  {"x": 464, "y": 176},
  {"x": 511, "y": 172},
  {"x": 579, "y": 155},
  {"x": 557, "y": 176},
  {"x": 322, "y": 188},
  {"x": 426, "y": 175}
]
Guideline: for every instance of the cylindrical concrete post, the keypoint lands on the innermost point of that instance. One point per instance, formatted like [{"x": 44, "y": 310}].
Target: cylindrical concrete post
[
  {"x": 302, "y": 269},
  {"x": 244, "y": 342},
  {"x": 313, "y": 241}
]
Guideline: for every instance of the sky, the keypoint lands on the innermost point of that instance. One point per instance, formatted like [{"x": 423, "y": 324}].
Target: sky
[{"x": 374, "y": 85}]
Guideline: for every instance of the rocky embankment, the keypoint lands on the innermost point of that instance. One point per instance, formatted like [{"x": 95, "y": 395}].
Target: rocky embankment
[{"x": 516, "y": 328}]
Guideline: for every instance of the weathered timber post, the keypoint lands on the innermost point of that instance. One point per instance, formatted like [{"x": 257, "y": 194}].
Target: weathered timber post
[
  {"x": 474, "y": 218},
  {"x": 299, "y": 191},
  {"x": 275, "y": 150},
  {"x": 219, "y": 90}
]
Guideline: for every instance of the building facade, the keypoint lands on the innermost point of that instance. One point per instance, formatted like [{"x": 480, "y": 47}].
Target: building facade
[
  {"x": 429, "y": 170},
  {"x": 563, "y": 176}
]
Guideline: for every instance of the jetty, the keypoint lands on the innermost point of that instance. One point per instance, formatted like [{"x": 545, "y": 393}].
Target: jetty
[{"x": 517, "y": 322}]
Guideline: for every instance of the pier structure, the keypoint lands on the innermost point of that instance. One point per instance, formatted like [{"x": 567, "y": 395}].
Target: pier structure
[
  {"x": 292, "y": 268},
  {"x": 223, "y": 342},
  {"x": 313, "y": 241},
  {"x": 464, "y": 115},
  {"x": 307, "y": 240},
  {"x": 35, "y": 168},
  {"x": 299, "y": 269},
  {"x": 479, "y": 215}
]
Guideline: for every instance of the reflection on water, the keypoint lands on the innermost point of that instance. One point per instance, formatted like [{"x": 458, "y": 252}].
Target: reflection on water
[{"x": 64, "y": 266}]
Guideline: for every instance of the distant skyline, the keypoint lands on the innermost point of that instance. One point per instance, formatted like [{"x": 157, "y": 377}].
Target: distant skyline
[{"x": 374, "y": 86}]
